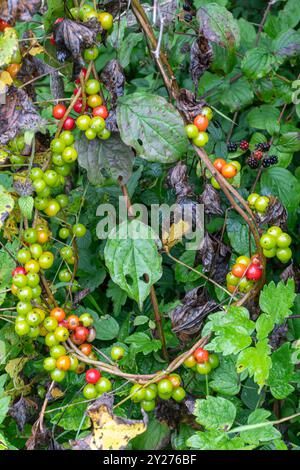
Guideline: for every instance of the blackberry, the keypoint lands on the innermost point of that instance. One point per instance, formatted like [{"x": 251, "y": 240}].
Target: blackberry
[
  {"x": 273, "y": 159},
  {"x": 265, "y": 146},
  {"x": 253, "y": 163},
  {"x": 258, "y": 154},
  {"x": 244, "y": 145},
  {"x": 266, "y": 163},
  {"x": 188, "y": 17},
  {"x": 186, "y": 7},
  {"x": 232, "y": 147}
]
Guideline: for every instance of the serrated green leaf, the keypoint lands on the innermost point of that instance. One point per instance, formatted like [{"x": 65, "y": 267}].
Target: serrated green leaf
[
  {"x": 117, "y": 295},
  {"x": 287, "y": 44},
  {"x": 238, "y": 95},
  {"x": 132, "y": 259},
  {"x": 71, "y": 417},
  {"x": 257, "y": 361},
  {"x": 215, "y": 440},
  {"x": 224, "y": 379},
  {"x": 152, "y": 126},
  {"x": 26, "y": 206},
  {"x": 257, "y": 63},
  {"x": 264, "y": 325},
  {"x": 232, "y": 331},
  {"x": 215, "y": 413},
  {"x": 264, "y": 434},
  {"x": 281, "y": 372},
  {"x": 289, "y": 142},
  {"x": 277, "y": 300},
  {"x": 128, "y": 44},
  {"x": 263, "y": 116},
  {"x": 140, "y": 342},
  {"x": 107, "y": 328}
]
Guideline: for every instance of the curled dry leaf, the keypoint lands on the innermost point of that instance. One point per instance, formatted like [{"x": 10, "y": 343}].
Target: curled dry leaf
[
  {"x": 189, "y": 105},
  {"x": 291, "y": 271},
  {"x": 110, "y": 432},
  {"x": 79, "y": 296},
  {"x": 41, "y": 438},
  {"x": 214, "y": 255},
  {"x": 19, "y": 10},
  {"x": 17, "y": 115},
  {"x": 201, "y": 58},
  {"x": 188, "y": 317},
  {"x": 72, "y": 37},
  {"x": 177, "y": 179},
  {"x": 23, "y": 411},
  {"x": 113, "y": 78},
  {"x": 276, "y": 214},
  {"x": 211, "y": 200},
  {"x": 173, "y": 414}
]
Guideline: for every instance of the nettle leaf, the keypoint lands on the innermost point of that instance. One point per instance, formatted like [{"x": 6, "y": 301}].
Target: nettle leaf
[
  {"x": 152, "y": 126},
  {"x": 257, "y": 63},
  {"x": 282, "y": 183},
  {"x": 140, "y": 342},
  {"x": 132, "y": 259},
  {"x": 8, "y": 46},
  {"x": 224, "y": 379},
  {"x": 281, "y": 372},
  {"x": 238, "y": 95},
  {"x": 287, "y": 44},
  {"x": 263, "y": 434},
  {"x": 257, "y": 361},
  {"x": 105, "y": 159},
  {"x": 26, "y": 206},
  {"x": 215, "y": 413},
  {"x": 277, "y": 300},
  {"x": 6, "y": 205},
  {"x": 232, "y": 330},
  {"x": 219, "y": 25}
]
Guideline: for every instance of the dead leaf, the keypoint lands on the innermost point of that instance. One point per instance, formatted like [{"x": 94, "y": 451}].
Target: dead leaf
[
  {"x": 276, "y": 214},
  {"x": 23, "y": 412},
  {"x": 113, "y": 78},
  {"x": 110, "y": 432},
  {"x": 14, "y": 368},
  {"x": 19, "y": 10},
  {"x": 17, "y": 115},
  {"x": 176, "y": 233},
  {"x": 201, "y": 58},
  {"x": 188, "y": 317},
  {"x": 41, "y": 438},
  {"x": 189, "y": 105},
  {"x": 177, "y": 179},
  {"x": 211, "y": 200}
]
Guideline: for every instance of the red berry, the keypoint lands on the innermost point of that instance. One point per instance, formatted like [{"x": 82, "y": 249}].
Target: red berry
[
  {"x": 69, "y": 123},
  {"x": 256, "y": 260},
  {"x": 59, "y": 20},
  {"x": 76, "y": 91},
  {"x": 4, "y": 25},
  {"x": 83, "y": 72},
  {"x": 59, "y": 111},
  {"x": 64, "y": 323},
  {"x": 254, "y": 272},
  {"x": 258, "y": 154},
  {"x": 18, "y": 270},
  {"x": 92, "y": 376},
  {"x": 244, "y": 145},
  {"x": 78, "y": 106},
  {"x": 100, "y": 111},
  {"x": 201, "y": 355},
  {"x": 52, "y": 40},
  {"x": 81, "y": 333}
]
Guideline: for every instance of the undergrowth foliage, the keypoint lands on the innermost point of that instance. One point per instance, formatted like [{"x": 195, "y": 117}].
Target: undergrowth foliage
[{"x": 115, "y": 334}]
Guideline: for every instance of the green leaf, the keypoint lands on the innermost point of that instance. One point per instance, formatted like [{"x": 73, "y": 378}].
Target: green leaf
[
  {"x": 4, "y": 407},
  {"x": 264, "y": 325},
  {"x": 283, "y": 184},
  {"x": 6, "y": 205},
  {"x": 7, "y": 264},
  {"x": 8, "y": 46},
  {"x": 132, "y": 259},
  {"x": 263, "y": 117},
  {"x": 257, "y": 361},
  {"x": 107, "y": 328},
  {"x": 264, "y": 434},
  {"x": 105, "y": 159},
  {"x": 224, "y": 379},
  {"x": 238, "y": 233},
  {"x": 140, "y": 342},
  {"x": 72, "y": 417},
  {"x": 289, "y": 142},
  {"x": 127, "y": 45},
  {"x": 257, "y": 63},
  {"x": 155, "y": 436},
  {"x": 281, "y": 372},
  {"x": 215, "y": 413},
  {"x": 152, "y": 126},
  {"x": 232, "y": 330},
  {"x": 117, "y": 295},
  {"x": 287, "y": 44},
  {"x": 215, "y": 440},
  {"x": 26, "y": 206},
  {"x": 183, "y": 274},
  {"x": 277, "y": 300},
  {"x": 219, "y": 25},
  {"x": 238, "y": 95}
]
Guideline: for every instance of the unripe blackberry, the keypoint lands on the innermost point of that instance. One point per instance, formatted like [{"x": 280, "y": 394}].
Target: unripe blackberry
[
  {"x": 257, "y": 154},
  {"x": 232, "y": 147},
  {"x": 244, "y": 145},
  {"x": 253, "y": 163}
]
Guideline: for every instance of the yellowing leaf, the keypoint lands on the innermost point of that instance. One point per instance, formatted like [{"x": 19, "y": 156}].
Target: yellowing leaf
[
  {"x": 177, "y": 231},
  {"x": 5, "y": 81},
  {"x": 6, "y": 205},
  {"x": 8, "y": 45},
  {"x": 110, "y": 432},
  {"x": 13, "y": 368}
]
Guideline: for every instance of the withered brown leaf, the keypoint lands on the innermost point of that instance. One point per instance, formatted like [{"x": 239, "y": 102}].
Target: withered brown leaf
[
  {"x": 201, "y": 58},
  {"x": 276, "y": 214},
  {"x": 23, "y": 411},
  {"x": 211, "y": 200},
  {"x": 113, "y": 78},
  {"x": 188, "y": 104},
  {"x": 17, "y": 115},
  {"x": 19, "y": 10},
  {"x": 188, "y": 317}
]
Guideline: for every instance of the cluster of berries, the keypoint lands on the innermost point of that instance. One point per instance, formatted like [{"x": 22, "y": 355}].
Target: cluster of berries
[
  {"x": 202, "y": 361},
  {"x": 196, "y": 131},
  {"x": 257, "y": 157},
  {"x": 228, "y": 169},
  {"x": 15, "y": 59},
  {"x": 275, "y": 242},
  {"x": 258, "y": 203},
  {"x": 243, "y": 274}
]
